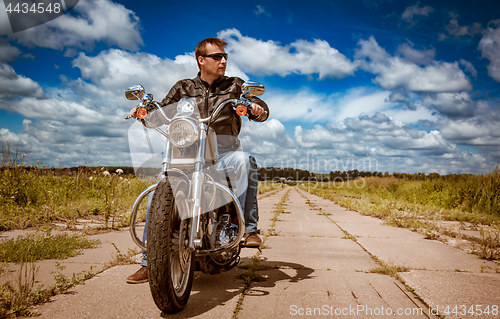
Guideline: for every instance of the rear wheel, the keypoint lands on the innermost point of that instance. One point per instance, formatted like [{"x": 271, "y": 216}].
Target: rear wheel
[{"x": 170, "y": 262}]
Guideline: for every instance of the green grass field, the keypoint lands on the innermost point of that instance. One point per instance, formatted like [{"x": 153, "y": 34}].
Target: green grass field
[{"x": 424, "y": 205}]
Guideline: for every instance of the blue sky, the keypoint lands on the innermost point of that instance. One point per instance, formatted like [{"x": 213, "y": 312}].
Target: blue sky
[{"x": 397, "y": 86}]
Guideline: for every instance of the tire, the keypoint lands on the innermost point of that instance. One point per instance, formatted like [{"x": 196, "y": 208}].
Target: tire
[{"x": 170, "y": 265}]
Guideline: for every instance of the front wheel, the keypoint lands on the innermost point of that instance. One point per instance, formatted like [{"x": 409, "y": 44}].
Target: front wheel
[{"x": 170, "y": 262}]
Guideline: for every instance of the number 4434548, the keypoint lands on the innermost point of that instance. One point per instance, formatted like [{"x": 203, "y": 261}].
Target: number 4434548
[
  {"x": 34, "y": 8},
  {"x": 474, "y": 310}
]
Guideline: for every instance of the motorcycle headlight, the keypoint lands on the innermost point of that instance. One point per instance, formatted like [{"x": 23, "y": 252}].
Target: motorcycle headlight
[{"x": 182, "y": 133}]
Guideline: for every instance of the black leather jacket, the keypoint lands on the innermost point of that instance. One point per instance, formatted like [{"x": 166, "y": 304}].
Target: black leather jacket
[{"x": 208, "y": 97}]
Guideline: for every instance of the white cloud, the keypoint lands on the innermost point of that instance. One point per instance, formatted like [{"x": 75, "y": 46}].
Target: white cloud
[
  {"x": 453, "y": 104},
  {"x": 475, "y": 132},
  {"x": 398, "y": 96},
  {"x": 457, "y": 31},
  {"x": 421, "y": 57},
  {"x": 469, "y": 68},
  {"x": 410, "y": 14},
  {"x": 300, "y": 57},
  {"x": 308, "y": 106},
  {"x": 361, "y": 101},
  {"x": 489, "y": 45},
  {"x": 13, "y": 84},
  {"x": 395, "y": 72},
  {"x": 8, "y": 52},
  {"x": 57, "y": 109},
  {"x": 89, "y": 22},
  {"x": 265, "y": 138},
  {"x": 116, "y": 70}
]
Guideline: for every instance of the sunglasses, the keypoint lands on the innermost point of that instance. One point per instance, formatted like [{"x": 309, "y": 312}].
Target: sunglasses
[{"x": 216, "y": 56}]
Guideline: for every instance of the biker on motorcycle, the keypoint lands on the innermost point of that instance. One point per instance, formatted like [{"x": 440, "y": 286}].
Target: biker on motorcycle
[{"x": 208, "y": 90}]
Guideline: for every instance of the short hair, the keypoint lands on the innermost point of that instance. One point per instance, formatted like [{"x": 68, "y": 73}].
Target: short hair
[{"x": 201, "y": 48}]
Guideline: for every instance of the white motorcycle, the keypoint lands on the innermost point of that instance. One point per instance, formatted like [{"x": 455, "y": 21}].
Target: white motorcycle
[{"x": 195, "y": 219}]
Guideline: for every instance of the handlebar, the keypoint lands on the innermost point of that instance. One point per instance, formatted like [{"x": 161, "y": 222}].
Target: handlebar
[{"x": 236, "y": 103}]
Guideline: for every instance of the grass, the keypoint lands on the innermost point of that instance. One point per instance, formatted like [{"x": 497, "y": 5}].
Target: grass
[
  {"x": 123, "y": 259},
  {"x": 388, "y": 269},
  {"x": 476, "y": 196},
  {"x": 265, "y": 187},
  {"x": 37, "y": 246},
  {"x": 17, "y": 298},
  {"x": 422, "y": 205},
  {"x": 32, "y": 195}
]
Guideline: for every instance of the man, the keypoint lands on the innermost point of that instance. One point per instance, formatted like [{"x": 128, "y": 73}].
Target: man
[{"x": 208, "y": 90}]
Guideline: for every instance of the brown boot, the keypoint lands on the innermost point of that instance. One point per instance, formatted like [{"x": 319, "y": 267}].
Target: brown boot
[
  {"x": 252, "y": 240},
  {"x": 139, "y": 277}
]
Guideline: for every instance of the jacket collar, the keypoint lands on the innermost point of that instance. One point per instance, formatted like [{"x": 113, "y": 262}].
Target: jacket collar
[{"x": 204, "y": 84}]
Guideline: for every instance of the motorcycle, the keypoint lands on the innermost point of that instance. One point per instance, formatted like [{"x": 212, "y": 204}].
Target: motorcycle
[{"x": 195, "y": 219}]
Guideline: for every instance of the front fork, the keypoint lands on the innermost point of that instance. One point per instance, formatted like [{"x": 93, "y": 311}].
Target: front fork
[{"x": 197, "y": 180}]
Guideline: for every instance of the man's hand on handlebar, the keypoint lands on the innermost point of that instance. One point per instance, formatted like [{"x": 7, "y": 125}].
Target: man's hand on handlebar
[
  {"x": 256, "y": 110},
  {"x": 133, "y": 112}
]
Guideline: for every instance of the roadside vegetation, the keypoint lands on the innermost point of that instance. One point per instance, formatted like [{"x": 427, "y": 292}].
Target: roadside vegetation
[
  {"x": 471, "y": 201},
  {"x": 32, "y": 195},
  {"x": 265, "y": 186},
  {"x": 38, "y": 246}
]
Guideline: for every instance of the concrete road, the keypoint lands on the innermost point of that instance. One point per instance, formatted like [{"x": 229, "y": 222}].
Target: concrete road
[{"x": 322, "y": 261}]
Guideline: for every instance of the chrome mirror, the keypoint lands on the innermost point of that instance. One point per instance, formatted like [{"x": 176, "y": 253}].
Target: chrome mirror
[
  {"x": 251, "y": 88},
  {"x": 135, "y": 92}
]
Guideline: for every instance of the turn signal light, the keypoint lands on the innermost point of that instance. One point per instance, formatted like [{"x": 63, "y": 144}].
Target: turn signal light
[
  {"x": 241, "y": 110},
  {"x": 141, "y": 113}
]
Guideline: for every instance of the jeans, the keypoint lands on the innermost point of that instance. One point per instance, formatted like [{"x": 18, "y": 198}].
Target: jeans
[{"x": 241, "y": 169}]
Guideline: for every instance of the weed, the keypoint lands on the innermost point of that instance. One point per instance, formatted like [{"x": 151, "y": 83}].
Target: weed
[
  {"x": 44, "y": 246},
  {"x": 490, "y": 242},
  {"x": 32, "y": 195},
  {"x": 351, "y": 237},
  {"x": 123, "y": 259},
  {"x": 324, "y": 214},
  {"x": 388, "y": 269},
  {"x": 17, "y": 298},
  {"x": 273, "y": 232}
]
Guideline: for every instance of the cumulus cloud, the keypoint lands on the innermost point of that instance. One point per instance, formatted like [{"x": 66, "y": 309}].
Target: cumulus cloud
[
  {"x": 489, "y": 47},
  {"x": 421, "y": 57},
  {"x": 396, "y": 72},
  {"x": 385, "y": 144},
  {"x": 87, "y": 23},
  {"x": 8, "y": 52},
  {"x": 457, "y": 31},
  {"x": 308, "y": 106},
  {"x": 411, "y": 13},
  {"x": 12, "y": 84},
  {"x": 299, "y": 57},
  {"x": 455, "y": 105},
  {"x": 398, "y": 96},
  {"x": 479, "y": 135},
  {"x": 254, "y": 134},
  {"x": 469, "y": 68},
  {"x": 116, "y": 70}
]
